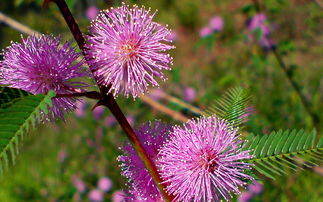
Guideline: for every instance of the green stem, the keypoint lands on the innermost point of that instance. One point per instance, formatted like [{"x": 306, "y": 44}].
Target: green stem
[{"x": 305, "y": 102}]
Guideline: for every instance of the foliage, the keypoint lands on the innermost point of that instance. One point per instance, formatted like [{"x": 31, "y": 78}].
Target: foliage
[
  {"x": 233, "y": 61},
  {"x": 19, "y": 112},
  {"x": 10, "y": 94},
  {"x": 233, "y": 106},
  {"x": 282, "y": 150}
]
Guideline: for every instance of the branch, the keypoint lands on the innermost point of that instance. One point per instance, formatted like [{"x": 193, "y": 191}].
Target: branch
[
  {"x": 174, "y": 114},
  {"x": 109, "y": 101},
  {"x": 90, "y": 94},
  {"x": 296, "y": 87},
  {"x": 305, "y": 102},
  {"x": 181, "y": 103},
  {"x": 160, "y": 107},
  {"x": 17, "y": 26}
]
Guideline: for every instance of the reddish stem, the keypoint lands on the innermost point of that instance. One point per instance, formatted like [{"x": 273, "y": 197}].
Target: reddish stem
[
  {"x": 108, "y": 100},
  {"x": 90, "y": 94}
]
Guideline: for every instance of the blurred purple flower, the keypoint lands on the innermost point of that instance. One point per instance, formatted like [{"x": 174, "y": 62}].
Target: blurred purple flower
[
  {"x": 216, "y": 23},
  {"x": 202, "y": 161},
  {"x": 62, "y": 155},
  {"x": 38, "y": 65},
  {"x": 126, "y": 50},
  {"x": 266, "y": 42},
  {"x": 189, "y": 94},
  {"x": 130, "y": 119},
  {"x": 110, "y": 121},
  {"x": 95, "y": 195},
  {"x": 156, "y": 94},
  {"x": 255, "y": 188},
  {"x": 105, "y": 184},
  {"x": 118, "y": 196},
  {"x": 259, "y": 21},
  {"x": 245, "y": 197},
  {"x": 91, "y": 12},
  {"x": 98, "y": 112},
  {"x": 205, "y": 31},
  {"x": 152, "y": 137},
  {"x": 79, "y": 184},
  {"x": 80, "y": 108}
]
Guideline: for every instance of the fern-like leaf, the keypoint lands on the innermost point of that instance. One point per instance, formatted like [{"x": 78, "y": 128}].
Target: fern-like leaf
[
  {"x": 16, "y": 118},
  {"x": 233, "y": 106},
  {"x": 279, "y": 151},
  {"x": 10, "y": 94}
]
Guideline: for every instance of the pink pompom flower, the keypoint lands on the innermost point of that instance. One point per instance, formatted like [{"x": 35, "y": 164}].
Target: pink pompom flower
[
  {"x": 189, "y": 94},
  {"x": 260, "y": 22},
  {"x": 118, "y": 196},
  {"x": 96, "y": 195},
  {"x": 41, "y": 64},
  {"x": 105, "y": 184},
  {"x": 156, "y": 94},
  {"x": 141, "y": 184},
  {"x": 255, "y": 188},
  {"x": 216, "y": 23},
  {"x": 91, "y": 12},
  {"x": 245, "y": 197},
  {"x": 127, "y": 50},
  {"x": 110, "y": 121},
  {"x": 98, "y": 112},
  {"x": 80, "y": 108},
  {"x": 202, "y": 161},
  {"x": 79, "y": 184},
  {"x": 205, "y": 31}
]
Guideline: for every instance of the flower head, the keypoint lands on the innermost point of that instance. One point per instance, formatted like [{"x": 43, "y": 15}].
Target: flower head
[
  {"x": 96, "y": 195},
  {"x": 80, "y": 108},
  {"x": 98, "y": 112},
  {"x": 79, "y": 184},
  {"x": 91, "y": 12},
  {"x": 202, "y": 161},
  {"x": 189, "y": 94},
  {"x": 105, "y": 184},
  {"x": 62, "y": 155},
  {"x": 259, "y": 22},
  {"x": 205, "y": 31},
  {"x": 38, "y": 65},
  {"x": 216, "y": 23},
  {"x": 255, "y": 188},
  {"x": 110, "y": 121},
  {"x": 156, "y": 94},
  {"x": 126, "y": 50},
  {"x": 245, "y": 197},
  {"x": 118, "y": 196},
  {"x": 142, "y": 186}
]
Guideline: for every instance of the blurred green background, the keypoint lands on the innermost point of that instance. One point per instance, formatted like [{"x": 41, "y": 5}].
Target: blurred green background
[{"x": 85, "y": 147}]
